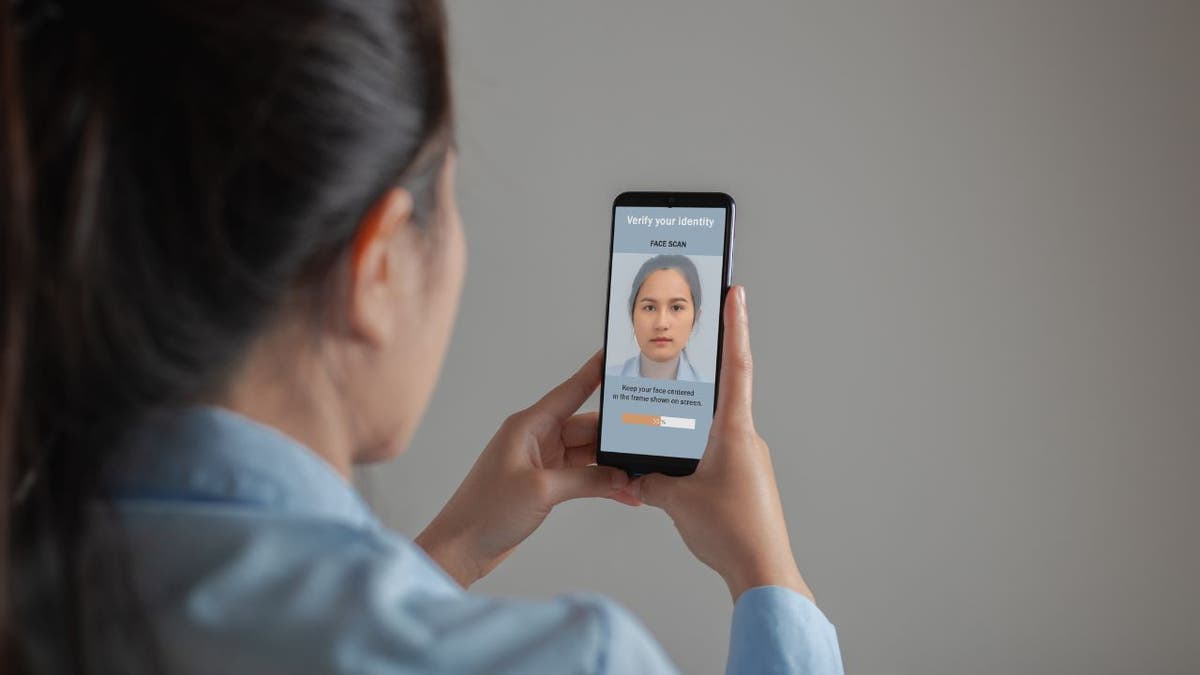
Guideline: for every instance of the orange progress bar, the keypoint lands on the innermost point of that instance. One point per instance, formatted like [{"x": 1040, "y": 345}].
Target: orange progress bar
[{"x": 635, "y": 418}]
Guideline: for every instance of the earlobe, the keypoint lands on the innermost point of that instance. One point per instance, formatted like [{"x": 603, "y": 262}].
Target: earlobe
[{"x": 372, "y": 268}]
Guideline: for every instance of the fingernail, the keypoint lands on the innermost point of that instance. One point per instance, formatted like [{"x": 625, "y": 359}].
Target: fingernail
[
  {"x": 742, "y": 297},
  {"x": 619, "y": 478}
]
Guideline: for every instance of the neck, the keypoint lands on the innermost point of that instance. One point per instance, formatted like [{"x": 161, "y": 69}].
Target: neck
[
  {"x": 665, "y": 370},
  {"x": 294, "y": 394}
]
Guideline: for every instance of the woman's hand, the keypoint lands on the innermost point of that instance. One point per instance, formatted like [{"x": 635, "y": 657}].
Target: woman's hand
[
  {"x": 728, "y": 512},
  {"x": 540, "y": 457}
]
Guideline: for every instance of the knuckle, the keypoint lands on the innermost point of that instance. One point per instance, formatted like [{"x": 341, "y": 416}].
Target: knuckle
[
  {"x": 650, "y": 491},
  {"x": 734, "y": 424},
  {"x": 736, "y": 432},
  {"x": 664, "y": 495},
  {"x": 664, "y": 501},
  {"x": 646, "y": 488},
  {"x": 742, "y": 362},
  {"x": 539, "y": 487},
  {"x": 515, "y": 420}
]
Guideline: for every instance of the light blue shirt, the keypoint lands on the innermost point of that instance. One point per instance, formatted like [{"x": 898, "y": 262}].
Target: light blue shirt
[{"x": 250, "y": 554}]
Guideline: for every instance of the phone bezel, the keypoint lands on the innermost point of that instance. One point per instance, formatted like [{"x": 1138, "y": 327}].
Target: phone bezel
[{"x": 636, "y": 464}]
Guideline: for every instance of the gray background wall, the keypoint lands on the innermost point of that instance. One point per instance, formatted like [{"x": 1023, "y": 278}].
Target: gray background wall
[{"x": 970, "y": 233}]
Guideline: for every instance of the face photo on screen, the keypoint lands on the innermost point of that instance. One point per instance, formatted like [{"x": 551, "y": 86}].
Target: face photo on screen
[
  {"x": 664, "y": 306},
  {"x": 659, "y": 327}
]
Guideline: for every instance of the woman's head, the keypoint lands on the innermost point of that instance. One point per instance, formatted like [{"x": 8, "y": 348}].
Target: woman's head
[
  {"x": 664, "y": 305},
  {"x": 188, "y": 186}
]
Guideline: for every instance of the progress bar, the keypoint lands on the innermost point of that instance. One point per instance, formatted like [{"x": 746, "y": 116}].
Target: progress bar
[{"x": 659, "y": 421}]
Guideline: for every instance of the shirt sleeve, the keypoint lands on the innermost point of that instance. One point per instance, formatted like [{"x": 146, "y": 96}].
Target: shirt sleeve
[
  {"x": 777, "y": 630},
  {"x": 628, "y": 646},
  {"x": 579, "y": 633}
]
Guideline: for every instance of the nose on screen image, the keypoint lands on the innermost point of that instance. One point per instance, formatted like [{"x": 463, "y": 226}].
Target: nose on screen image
[{"x": 663, "y": 326}]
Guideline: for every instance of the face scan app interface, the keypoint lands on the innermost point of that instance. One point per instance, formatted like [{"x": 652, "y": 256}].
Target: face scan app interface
[{"x": 663, "y": 314}]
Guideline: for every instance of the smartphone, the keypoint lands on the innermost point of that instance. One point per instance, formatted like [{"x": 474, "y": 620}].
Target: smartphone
[{"x": 670, "y": 263}]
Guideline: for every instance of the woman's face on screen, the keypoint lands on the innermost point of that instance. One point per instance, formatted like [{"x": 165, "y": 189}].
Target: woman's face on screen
[{"x": 663, "y": 315}]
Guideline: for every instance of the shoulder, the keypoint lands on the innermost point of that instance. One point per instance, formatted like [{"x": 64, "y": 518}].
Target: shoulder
[
  {"x": 232, "y": 591},
  {"x": 627, "y": 369},
  {"x": 237, "y": 593}
]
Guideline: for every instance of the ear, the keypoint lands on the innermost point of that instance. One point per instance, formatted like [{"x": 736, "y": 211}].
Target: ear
[{"x": 374, "y": 269}]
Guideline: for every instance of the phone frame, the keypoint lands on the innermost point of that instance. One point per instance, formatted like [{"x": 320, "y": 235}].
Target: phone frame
[{"x": 635, "y": 464}]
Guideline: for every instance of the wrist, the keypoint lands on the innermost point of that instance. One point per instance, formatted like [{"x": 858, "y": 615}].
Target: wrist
[
  {"x": 783, "y": 573},
  {"x": 451, "y": 554}
]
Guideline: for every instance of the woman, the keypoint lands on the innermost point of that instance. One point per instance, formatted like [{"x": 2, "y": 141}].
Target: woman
[
  {"x": 664, "y": 305},
  {"x": 232, "y": 265}
]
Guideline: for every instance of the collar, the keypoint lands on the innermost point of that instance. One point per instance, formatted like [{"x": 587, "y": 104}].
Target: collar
[
  {"x": 686, "y": 371},
  {"x": 209, "y": 454}
]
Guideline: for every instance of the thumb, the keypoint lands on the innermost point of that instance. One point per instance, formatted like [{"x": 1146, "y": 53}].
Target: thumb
[
  {"x": 737, "y": 370},
  {"x": 656, "y": 489},
  {"x": 583, "y": 481},
  {"x": 565, "y": 399}
]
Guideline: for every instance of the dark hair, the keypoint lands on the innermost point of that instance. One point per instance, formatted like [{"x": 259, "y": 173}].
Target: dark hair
[
  {"x": 173, "y": 171},
  {"x": 679, "y": 263}
]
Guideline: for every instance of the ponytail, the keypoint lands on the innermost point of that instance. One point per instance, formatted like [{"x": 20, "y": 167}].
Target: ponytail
[
  {"x": 163, "y": 192},
  {"x": 17, "y": 247},
  {"x": 39, "y": 521}
]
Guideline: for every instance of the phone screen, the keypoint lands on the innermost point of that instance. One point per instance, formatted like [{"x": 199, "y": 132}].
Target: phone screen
[{"x": 667, "y": 279}]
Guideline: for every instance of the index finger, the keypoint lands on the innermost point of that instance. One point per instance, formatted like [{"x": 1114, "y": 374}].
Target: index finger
[
  {"x": 565, "y": 399},
  {"x": 580, "y": 429},
  {"x": 737, "y": 366}
]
